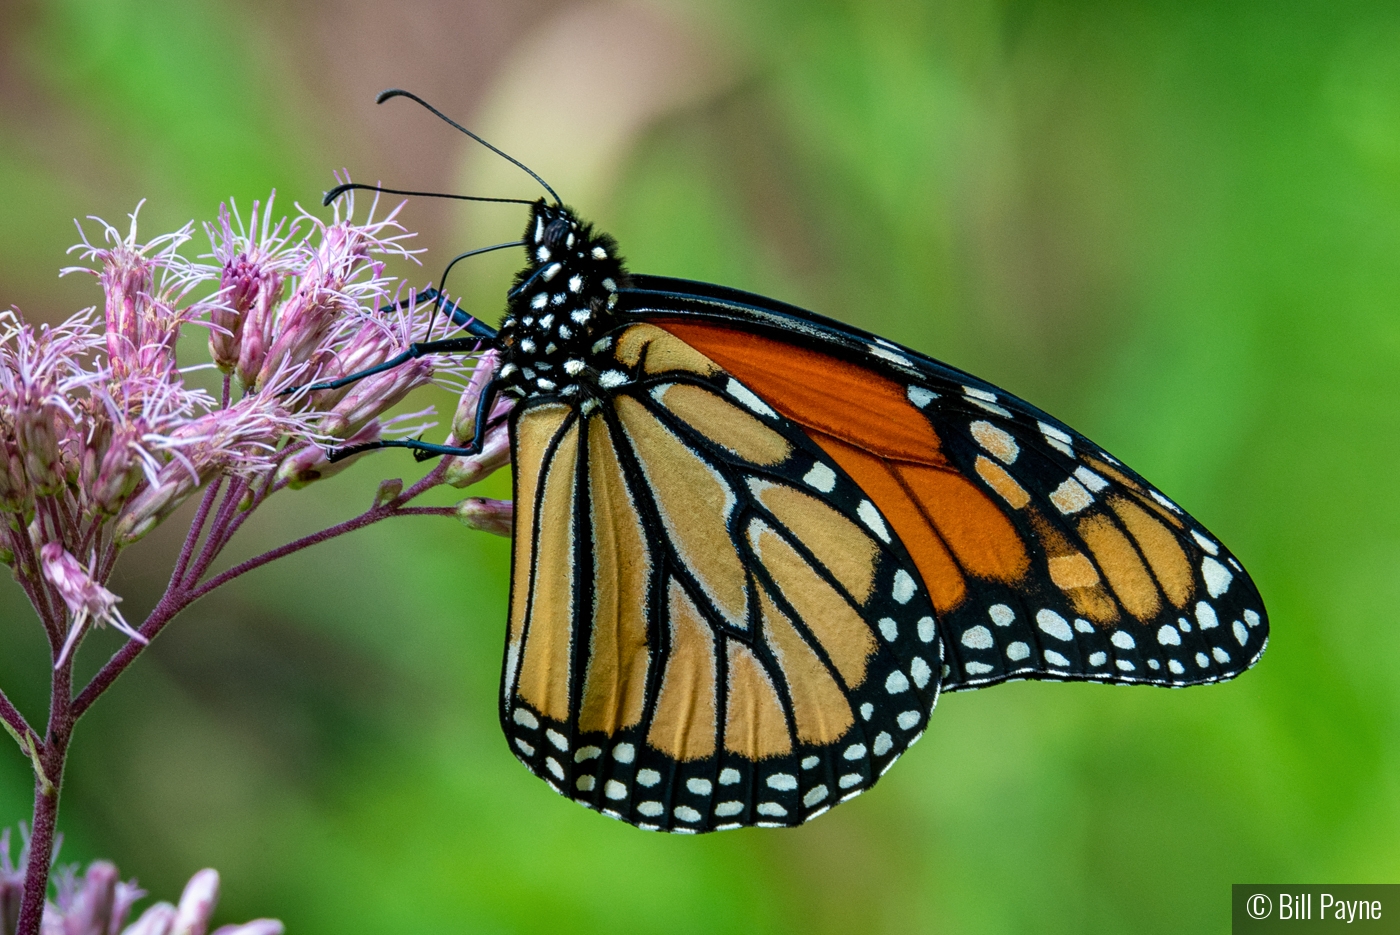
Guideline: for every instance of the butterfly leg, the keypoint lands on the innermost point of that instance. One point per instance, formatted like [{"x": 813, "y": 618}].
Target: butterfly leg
[{"x": 424, "y": 450}]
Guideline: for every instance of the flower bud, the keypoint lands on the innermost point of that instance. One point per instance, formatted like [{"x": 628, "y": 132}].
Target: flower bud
[
  {"x": 15, "y": 494},
  {"x": 90, "y": 908},
  {"x": 493, "y": 516},
  {"x": 465, "y": 470},
  {"x": 120, "y": 473},
  {"x": 256, "y": 927},
  {"x": 388, "y": 490},
  {"x": 371, "y": 396},
  {"x": 197, "y": 904},
  {"x": 173, "y": 486},
  {"x": 250, "y": 292},
  {"x": 156, "y": 920},
  {"x": 302, "y": 327},
  {"x": 464, "y": 422},
  {"x": 310, "y": 464},
  {"x": 37, "y": 427}
]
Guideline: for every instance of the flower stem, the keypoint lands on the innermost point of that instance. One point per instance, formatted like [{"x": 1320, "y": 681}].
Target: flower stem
[
  {"x": 48, "y": 778},
  {"x": 15, "y": 722},
  {"x": 201, "y": 516},
  {"x": 182, "y": 594}
]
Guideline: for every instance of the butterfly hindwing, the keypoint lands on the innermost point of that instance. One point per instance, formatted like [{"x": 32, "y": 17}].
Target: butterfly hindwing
[
  {"x": 1044, "y": 556},
  {"x": 712, "y": 624}
]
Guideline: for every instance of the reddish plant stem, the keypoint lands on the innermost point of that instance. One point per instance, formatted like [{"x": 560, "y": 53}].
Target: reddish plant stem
[
  {"x": 201, "y": 516},
  {"x": 183, "y": 594},
  {"x": 216, "y": 540},
  {"x": 15, "y": 720},
  {"x": 48, "y": 779},
  {"x": 34, "y": 589}
]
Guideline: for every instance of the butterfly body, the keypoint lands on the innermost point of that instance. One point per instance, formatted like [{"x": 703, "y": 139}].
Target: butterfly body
[
  {"x": 561, "y": 304},
  {"x": 752, "y": 545}
]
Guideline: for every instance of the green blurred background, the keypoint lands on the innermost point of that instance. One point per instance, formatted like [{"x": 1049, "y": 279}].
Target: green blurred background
[{"x": 1176, "y": 226}]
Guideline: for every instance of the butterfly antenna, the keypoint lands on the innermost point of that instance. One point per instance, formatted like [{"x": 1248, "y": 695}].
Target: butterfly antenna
[
  {"x": 399, "y": 92},
  {"x": 339, "y": 190},
  {"x": 442, "y": 281}
]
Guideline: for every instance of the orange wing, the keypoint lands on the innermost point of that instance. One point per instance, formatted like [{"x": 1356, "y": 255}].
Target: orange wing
[{"x": 1044, "y": 557}]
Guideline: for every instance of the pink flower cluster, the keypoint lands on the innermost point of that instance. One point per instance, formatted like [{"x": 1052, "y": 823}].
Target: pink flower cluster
[
  {"x": 100, "y": 903},
  {"x": 103, "y": 435}
]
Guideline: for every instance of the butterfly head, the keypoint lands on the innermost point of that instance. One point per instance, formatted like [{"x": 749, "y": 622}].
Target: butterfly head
[{"x": 560, "y": 305}]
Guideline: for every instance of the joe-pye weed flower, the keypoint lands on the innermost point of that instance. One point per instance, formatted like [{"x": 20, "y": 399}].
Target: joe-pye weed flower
[{"x": 103, "y": 438}]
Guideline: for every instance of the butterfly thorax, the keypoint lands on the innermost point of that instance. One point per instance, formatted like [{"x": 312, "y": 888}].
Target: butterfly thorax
[{"x": 560, "y": 308}]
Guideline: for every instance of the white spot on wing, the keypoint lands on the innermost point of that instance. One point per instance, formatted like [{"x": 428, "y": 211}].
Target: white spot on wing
[
  {"x": 1210, "y": 547},
  {"x": 728, "y": 809},
  {"x": 1089, "y": 479},
  {"x": 891, "y": 356},
  {"x": 920, "y": 671},
  {"x": 1164, "y": 501},
  {"x": 903, "y": 588},
  {"x": 896, "y": 682},
  {"x": 977, "y": 638},
  {"x": 1055, "y": 659},
  {"x": 1241, "y": 634},
  {"x": 821, "y": 477},
  {"x": 728, "y": 777},
  {"x": 926, "y": 629},
  {"x": 1122, "y": 639},
  {"x": 977, "y": 668},
  {"x": 686, "y": 813},
  {"x": 889, "y": 629},
  {"x": 648, "y": 777},
  {"x": 814, "y": 795},
  {"x": 920, "y": 396},
  {"x": 907, "y": 720},
  {"x": 746, "y": 396},
  {"x": 624, "y": 753},
  {"x": 1098, "y": 659},
  {"x": 525, "y": 719},
  {"x": 854, "y": 752},
  {"x": 1017, "y": 651},
  {"x": 1205, "y": 616},
  {"x": 883, "y": 743},
  {"x": 1168, "y": 636},
  {"x": 614, "y": 790},
  {"x": 650, "y": 809},
  {"x": 1054, "y": 624},
  {"x": 771, "y": 809},
  {"x": 1217, "y": 577},
  {"x": 1001, "y": 615},
  {"x": 872, "y": 518}
]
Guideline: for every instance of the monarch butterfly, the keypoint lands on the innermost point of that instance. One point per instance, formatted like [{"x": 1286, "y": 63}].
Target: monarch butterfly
[{"x": 752, "y": 545}]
